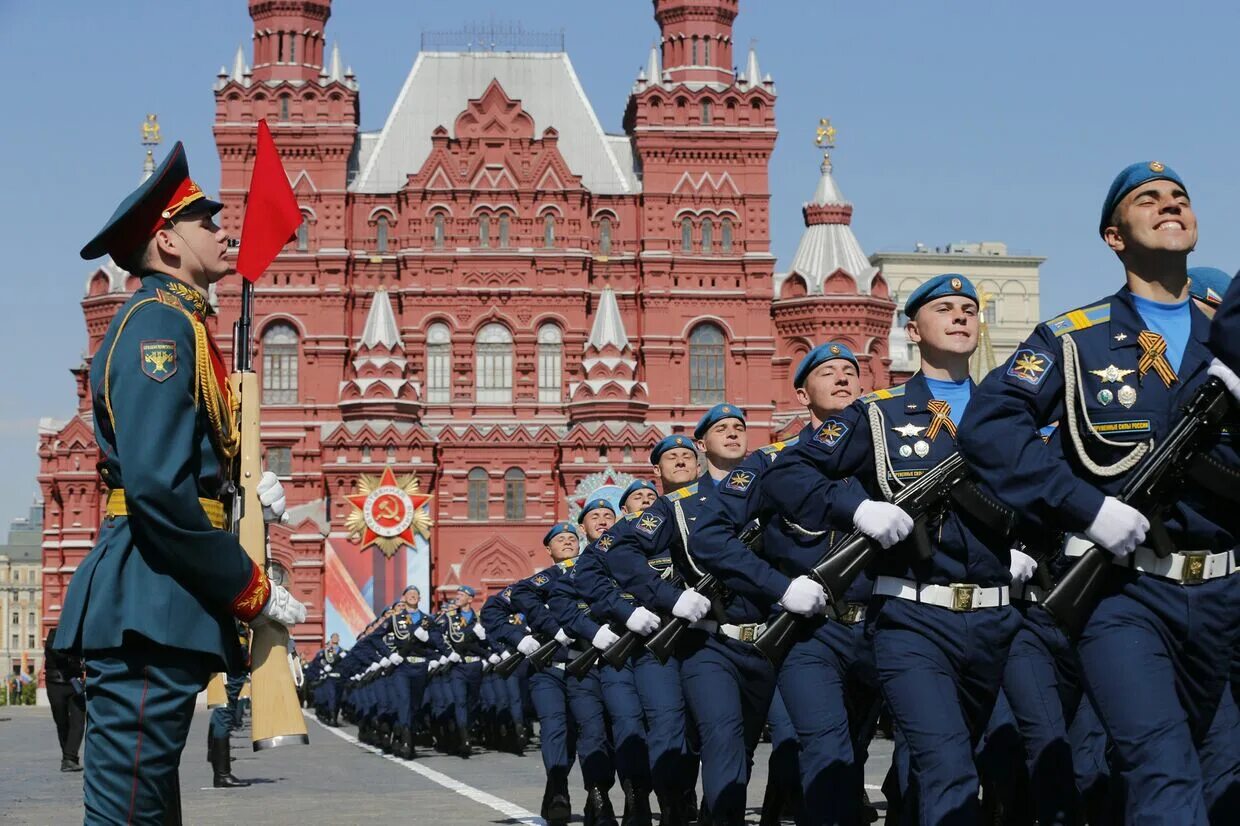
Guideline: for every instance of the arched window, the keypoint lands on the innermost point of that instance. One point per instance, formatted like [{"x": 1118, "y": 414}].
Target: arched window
[
  {"x": 493, "y": 365},
  {"x": 284, "y": 99},
  {"x": 604, "y": 235},
  {"x": 504, "y": 224},
  {"x": 280, "y": 364},
  {"x": 706, "y": 365},
  {"x": 438, "y": 364},
  {"x": 548, "y": 230},
  {"x": 706, "y": 113},
  {"x": 708, "y": 235},
  {"x": 477, "y": 494},
  {"x": 550, "y": 362},
  {"x": 440, "y": 221},
  {"x": 381, "y": 234},
  {"x": 484, "y": 231},
  {"x": 514, "y": 495},
  {"x": 303, "y": 234},
  {"x": 706, "y": 44},
  {"x": 686, "y": 235},
  {"x": 725, "y": 236},
  {"x": 694, "y": 61}
]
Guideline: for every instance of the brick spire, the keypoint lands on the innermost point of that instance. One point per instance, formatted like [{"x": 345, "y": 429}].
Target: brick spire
[
  {"x": 697, "y": 39},
  {"x": 288, "y": 38}
]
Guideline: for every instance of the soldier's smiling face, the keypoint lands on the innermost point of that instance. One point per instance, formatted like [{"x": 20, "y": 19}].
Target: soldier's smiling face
[
  {"x": 677, "y": 467},
  {"x": 597, "y": 521},
  {"x": 946, "y": 325},
  {"x": 725, "y": 440},
  {"x": 830, "y": 387},
  {"x": 563, "y": 546},
  {"x": 1156, "y": 217},
  {"x": 640, "y": 499}
]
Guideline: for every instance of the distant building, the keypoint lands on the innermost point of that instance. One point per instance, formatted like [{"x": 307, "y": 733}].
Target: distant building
[
  {"x": 1009, "y": 285},
  {"x": 21, "y": 593}
]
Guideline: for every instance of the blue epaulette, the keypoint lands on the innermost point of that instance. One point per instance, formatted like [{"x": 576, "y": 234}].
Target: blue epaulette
[
  {"x": 687, "y": 490},
  {"x": 878, "y": 395},
  {"x": 775, "y": 447},
  {"x": 1080, "y": 319}
]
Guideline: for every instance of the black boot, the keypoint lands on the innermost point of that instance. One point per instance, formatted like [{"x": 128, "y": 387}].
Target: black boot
[
  {"x": 385, "y": 737},
  {"x": 70, "y": 764},
  {"x": 772, "y": 804},
  {"x": 636, "y": 806},
  {"x": 463, "y": 747},
  {"x": 222, "y": 765},
  {"x": 869, "y": 814},
  {"x": 556, "y": 808},
  {"x": 598, "y": 808}
]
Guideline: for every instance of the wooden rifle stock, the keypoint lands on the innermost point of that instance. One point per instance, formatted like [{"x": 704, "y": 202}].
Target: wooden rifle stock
[
  {"x": 217, "y": 696},
  {"x": 277, "y": 717}
]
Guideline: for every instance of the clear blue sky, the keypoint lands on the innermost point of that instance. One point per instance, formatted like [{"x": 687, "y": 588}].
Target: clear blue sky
[{"x": 969, "y": 120}]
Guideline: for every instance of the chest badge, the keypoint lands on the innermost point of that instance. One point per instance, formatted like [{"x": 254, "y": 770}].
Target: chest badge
[
  {"x": 1127, "y": 396},
  {"x": 1121, "y": 336},
  {"x": 1105, "y": 397},
  {"x": 906, "y": 451},
  {"x": 922, "y": 448},
  {"x": 1111, "y": 373},
  {"x": 910, "y": 430}
]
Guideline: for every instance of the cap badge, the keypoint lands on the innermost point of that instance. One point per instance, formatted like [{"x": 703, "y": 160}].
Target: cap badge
[
  {"x": 956, "y": 284},
  {"x": 835, "y": 349},
  {"x": 1156, "y": 166}
]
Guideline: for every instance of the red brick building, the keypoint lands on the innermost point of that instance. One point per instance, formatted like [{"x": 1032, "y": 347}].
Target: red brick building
[{"x": 493, "y": 296}]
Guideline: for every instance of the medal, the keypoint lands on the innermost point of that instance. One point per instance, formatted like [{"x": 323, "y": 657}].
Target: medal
[
  {"x": 906, "y": 451},
  {"x": 1111, "y": 373},
  {"x": 1127, "y": 396},
  {"x": 922, "y": 448},
  {"x": 1105, "y": 397}
]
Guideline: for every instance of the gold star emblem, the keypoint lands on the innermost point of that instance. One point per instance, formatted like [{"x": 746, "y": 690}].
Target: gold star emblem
[
  {"x": 831, "y": 430},
  {"x": 649, "y": 523},
  {"x": 1029, "y": 366},
  {"x": 605, "y": 541},
  {"x": 909, "y": 430}
]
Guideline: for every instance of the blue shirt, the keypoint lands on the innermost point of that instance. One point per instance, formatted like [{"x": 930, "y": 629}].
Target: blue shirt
[
  {"x": 1171, "y": 321},
  {"x": 955, "y": 393}
]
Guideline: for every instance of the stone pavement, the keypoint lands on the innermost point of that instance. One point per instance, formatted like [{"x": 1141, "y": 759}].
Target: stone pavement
[{"x": 335, "y": 780}]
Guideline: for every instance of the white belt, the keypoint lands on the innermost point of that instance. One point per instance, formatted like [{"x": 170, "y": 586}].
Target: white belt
[
  {"x": 415, "y": 660},
  {"x": 472, "y": 659},
  {"x": 957, "y": 596},
  {"x": 1029, "y": 593},
  {"x": 1184, "y": 567},
  {"x": 742, "y": 633}
]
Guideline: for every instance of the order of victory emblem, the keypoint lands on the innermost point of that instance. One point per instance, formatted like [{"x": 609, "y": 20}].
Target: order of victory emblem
[{"x": 388, "y": 512}]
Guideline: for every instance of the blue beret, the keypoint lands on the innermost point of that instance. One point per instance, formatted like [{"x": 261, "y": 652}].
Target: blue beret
[
  {"x": 668, "y": 443},
  {"x": 168, "y": 192},
  {"x": 1208, "y": 284},
  {"x": 411, "y": 588},
  {"x": 557, "y": 529},
  {"x": 635, "y": 486},
  {"x": 949, "y": 283},
  {"x": 822, "y": 353},
  {"x": 465, "y": 589},
  {"x": 1132, "y": 177},
  {"x": 715, "y": 415},
  {"x": 594, "y": 504}
]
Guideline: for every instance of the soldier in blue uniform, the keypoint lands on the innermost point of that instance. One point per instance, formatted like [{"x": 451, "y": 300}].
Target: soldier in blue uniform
[
  {"x": 418, "y": 641},
  {"x": 226, "y": 718},
  {"x": 467, "y": 637},
  {"x": 572, "y": 611},
  {"x": 152, "y": 606},
  {"x": 828, "y": 679},
  {"x": 1207, "y": 286},
  {"x": 555, "y": 694},
  {"x": 505, "y": 628},
  {"x": 1156, "y": 650}
]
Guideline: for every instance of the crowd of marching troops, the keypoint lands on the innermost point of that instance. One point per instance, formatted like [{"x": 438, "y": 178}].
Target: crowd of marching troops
[{"x": 892, "y": 560}]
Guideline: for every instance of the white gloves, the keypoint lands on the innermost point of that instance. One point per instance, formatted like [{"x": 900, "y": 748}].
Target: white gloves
[
  {"x": 804, "y": 596},
  {"x": 562, "y": 638},
  {"x": 505, "y": 655},
  {"x": 282, "y": 608},
  {"x": 431, "y": 666},
  {"x": 372, "y": 667},
  {"x": 1118, "y": 527},
  {"x": 271, "y": 494},
  {"x": 1225, "y": 374},
  {"x": 454, "y": 657},
  {"x": 1023, "y": 566},
  {"x": 385, "y": 662},
  {"x": 883, "y": 522},
  {"x": 479, "y": 631},
  {"x": 528, "y": 645},
  {"x": 494, "y": 659},
  {"x": 443, "y": 660},
  {"x": 421, "y": 634},
  {"x": 396, "y": 658},
  {"x": 691, "y": 606},
  {"x": 642, "y": 621},
  {"x": 603, "y": 638}
]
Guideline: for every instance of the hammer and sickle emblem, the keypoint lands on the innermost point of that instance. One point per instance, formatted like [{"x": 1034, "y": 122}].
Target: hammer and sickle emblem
[{"x": 386, "y": 509}]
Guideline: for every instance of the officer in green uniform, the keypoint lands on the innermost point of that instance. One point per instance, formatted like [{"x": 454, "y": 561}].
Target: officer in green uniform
[{"x": 152, "y": 606}]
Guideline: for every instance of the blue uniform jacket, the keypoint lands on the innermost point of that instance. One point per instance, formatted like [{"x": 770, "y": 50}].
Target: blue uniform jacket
[
  {"x": 530, "y": 595},
  {"x": 843, "y": 448},
  {"x": 504, "y": 625},
  {"x": 569, "y": 607},
  {"x": 405, "y": 625},
  {"x": 594, "y": 582},
  {"x": 163, "y": 571},
  {"x": 458, "y": 630},
  {"x": 1050, "y": 484}
]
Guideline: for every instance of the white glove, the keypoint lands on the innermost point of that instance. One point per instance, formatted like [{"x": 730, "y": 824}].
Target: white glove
[
  {"x": 562, "y": 638},
  {"x": 396, "y": 658},
  {"x": 505, "y": 655},
  {"x": 421, "y": 634},
  {"x": 271, "y": 494},
  {"x": 883, "y": 522},
  {"x": 804, "y": 596},
  {"x": 691, "y": 606},
  {"x": 494, "y": 659},
  {"x": 372, "y": 667},
  {"x": 431, "y": 666},
  {"x": 443, "y": 660},
  {"x": 642, "y": 622},
  {"x": 454, "y": 657},
  {"x": 1118, "y": 527},
  {"x": 603, "y": 638},
  {"x": 282, "y": 608},
  {"x": 1023, "y": 566},
  {"x": 385, "y": 662},
  {"x": 1228, "y": 377},
  {"x": 528, "y": 645},
  {"x": 479, "y": 631}
]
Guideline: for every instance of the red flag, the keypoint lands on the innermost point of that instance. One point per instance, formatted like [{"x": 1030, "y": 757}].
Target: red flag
[{"x": 271, "y": 212}]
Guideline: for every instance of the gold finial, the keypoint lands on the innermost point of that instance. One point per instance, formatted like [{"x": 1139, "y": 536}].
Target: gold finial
[
  {"x": 825, "y": 137},
  {"x": 150, "y": 131}
]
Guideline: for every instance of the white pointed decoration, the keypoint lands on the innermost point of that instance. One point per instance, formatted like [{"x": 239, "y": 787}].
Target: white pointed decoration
[
  {"x": 148, "y": 166},
  {"x": 608, "y": 327},
  {"x": 752, "y": 72},
  {"x": 335, "y": 73},
  {"x": 381, "y": 329},
  {"x": 240, "y": 70},
  {"x": 653, "y": 72}
]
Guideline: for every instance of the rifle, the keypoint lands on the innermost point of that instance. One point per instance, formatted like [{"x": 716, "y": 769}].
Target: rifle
[
  {"x": 277, "y": 720},
  {"x": 582, "y": 663},
  {"x": 1152, "y": 489},
  {"x": 927, "y": 496},
  {"x": 538, "y": 660}
]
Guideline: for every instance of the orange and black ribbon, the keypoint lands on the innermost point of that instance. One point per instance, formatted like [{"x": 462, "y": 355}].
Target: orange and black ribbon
[
  {"x": 941, "y": 412},
  {"x": 1154, "y": 354}
]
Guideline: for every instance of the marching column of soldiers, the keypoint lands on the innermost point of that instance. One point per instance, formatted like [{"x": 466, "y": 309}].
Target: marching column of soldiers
[{"x": 1032, "y": 579}]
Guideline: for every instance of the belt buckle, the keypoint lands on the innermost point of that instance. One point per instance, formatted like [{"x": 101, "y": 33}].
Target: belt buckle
[
  {"x": 962, "y": 596},
  {"x": 748, "y": 632},
  {"x": 1194, "y": 570},
  {"x": 850, "y": 614}
]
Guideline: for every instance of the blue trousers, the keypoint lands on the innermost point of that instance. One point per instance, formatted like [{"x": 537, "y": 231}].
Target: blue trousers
[
  {"x": 940, "y": 673},
  {"x": 513, "y": 690},
  {"x": 409, "y": 684},
  {"x": 440, "y": 690},
  {"x": 728, "y": 686},
  {"x": 628, "y": 726},
  {"x": 831, "y": 689},
  {"x": 466, "y": 681},
  {"x": 549, "y": 693},
  {"x": 784, "y": 765},
  {"x": 585, "y": 701},
  {"x": 1155, "y": 657},
  {"x": 140, "y": 702},
  {"x": 663, "y": 703}
]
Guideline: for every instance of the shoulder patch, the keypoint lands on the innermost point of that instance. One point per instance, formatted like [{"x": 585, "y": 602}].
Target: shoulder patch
[
  {"x": 879, "y": 395},
  {"x": 831, "y": 433},
  {"x": 1080, "y": 319},
  {"x": 506, "y": 593},
  {"x": 738, "y": 481},
  {"x": 605, "y": 542},
  {"x": 540, "y": 580},
  {"x": 159, "y": 358},
  {"x": 1029, "y": 366},
  {"x": 649, "y": 523}
]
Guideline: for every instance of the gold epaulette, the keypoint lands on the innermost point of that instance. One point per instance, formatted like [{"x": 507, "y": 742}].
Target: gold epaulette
[{"x": 775, "y": 447}]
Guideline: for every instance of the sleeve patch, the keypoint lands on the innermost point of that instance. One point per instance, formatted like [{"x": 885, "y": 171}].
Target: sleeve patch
[
  {"x": 605, "y": 542},
  {"x": 159, "y": 359},
  {"x": 831, "y": 433},
  {"x": 1029, "y": 366},
  {"x": 738, "y": 481},
  {"x": 541, "y": 580},
  {"x": 649, "y": 523}
]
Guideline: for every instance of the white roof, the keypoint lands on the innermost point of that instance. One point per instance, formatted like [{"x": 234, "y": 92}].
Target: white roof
[
  {"x": 608, "y": 327},
  {"x": 828, "y": 247},
  {"x": 441, "y": 83},
  {"x": 381, "y": 326}
]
